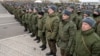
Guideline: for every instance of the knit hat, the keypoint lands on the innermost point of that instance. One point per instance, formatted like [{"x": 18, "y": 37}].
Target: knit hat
[
  {"x": 72, "y": 7},
  {"x": 87, "y": 12},
  {"x": 90, "y": 21},
  {"x": 97, "y": 10},
  {"x": 66, "y": 12},
  {"x": 53, "y": 7}
]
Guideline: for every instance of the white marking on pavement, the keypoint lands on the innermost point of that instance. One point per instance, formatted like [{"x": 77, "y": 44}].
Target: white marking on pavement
[
  {"x": 8, "y": 23},
  {"x": 12, "y": 37},
  {"x": 6, "y": 15}
]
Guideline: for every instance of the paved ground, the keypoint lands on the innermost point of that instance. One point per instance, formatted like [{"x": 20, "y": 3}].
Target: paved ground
[
  {"x": 14, "y": 41},
  {"x": 8, "y": 25},
  {"x": 22, "y": 45},
  {"x": 2, "y": 10}
]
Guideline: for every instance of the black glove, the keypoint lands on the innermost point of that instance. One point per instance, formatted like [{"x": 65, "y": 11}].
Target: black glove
[
  {"x": 52, "y": 40},
  {"x": 43, "y": 33},
  {"x": 68, "y": 53}
]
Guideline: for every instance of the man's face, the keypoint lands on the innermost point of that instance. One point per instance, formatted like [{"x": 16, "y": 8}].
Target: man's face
[
  {"x": 65, "y": 17},
  {"x": 27, "y": 11},
  {"x": 34, "y": 11},
  {"x": 30, "y": 10},
  {"x": 85, "y": 26},
  {"x": 85, "y": 15},
  {"x": 96, "y": 13},
  {"x": 69, "y": 9},
  {"x": 50, "y": 11},
  {"x": 18, "y": 7}
]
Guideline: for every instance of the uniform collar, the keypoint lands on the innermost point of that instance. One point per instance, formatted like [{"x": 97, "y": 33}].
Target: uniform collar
[
  {"x": 34, "y": 13},
  {"x": 52, "y": 15},
  {"x": 65, "y": 21},
  {"x": 88, "y": 32},
  {"x": 41, "y": 17}
]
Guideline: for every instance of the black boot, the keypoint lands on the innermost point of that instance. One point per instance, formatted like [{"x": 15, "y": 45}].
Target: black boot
[
  {"x": 29, "y": 31},
  {"x": 25, "y": 25},
  {"x": 48, "y": 54},
  {"x": 38, "y": 41},
  {"x": 33, "y": 35},
  {"x": 36, "y": 38},
  {"x": 54, "y": 54},
  {"x": 25, "y": 30},
  {"x": 43, "y": 47}
]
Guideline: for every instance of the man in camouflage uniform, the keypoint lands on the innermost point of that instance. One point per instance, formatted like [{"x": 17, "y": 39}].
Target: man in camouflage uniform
[
  {"x": 28, "y": 19},
  {"x": 67, "y": 30},
  {"x": 85, "y": 14},
  {"x": 33, "y": 21},
  {"x": 34, "y": 24},
  {"x": 51, "y": 29},
  {"x": 86, "y": 42},
  {"x": 73, "y": 15},
  {"x": 96, "y": 15},
  {"x": 40, "y": 30},
  {"x": 78, "y": 18},
  {"x": 24, "y": 17},
  {"x": 18, "y": 13}
]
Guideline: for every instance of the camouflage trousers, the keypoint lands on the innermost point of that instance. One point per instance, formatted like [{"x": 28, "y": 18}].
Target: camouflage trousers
[
  {"x": 52, "y": 46},
  {"x": 64, "y": 53}
]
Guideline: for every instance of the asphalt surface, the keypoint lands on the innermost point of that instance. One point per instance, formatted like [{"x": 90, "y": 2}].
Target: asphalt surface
[{"x": 8, "y": 25}]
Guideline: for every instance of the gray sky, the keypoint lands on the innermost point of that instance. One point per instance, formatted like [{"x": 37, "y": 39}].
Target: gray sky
[
  {"x": 90, "y": 0},
  {"x": 80, "y": 0}
]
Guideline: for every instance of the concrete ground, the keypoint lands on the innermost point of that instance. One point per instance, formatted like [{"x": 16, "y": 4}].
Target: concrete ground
[
  {"x": 14, "y": 41},
  {"x": 8, "y": 25}
]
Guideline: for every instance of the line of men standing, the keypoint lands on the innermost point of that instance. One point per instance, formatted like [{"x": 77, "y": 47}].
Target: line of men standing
[{"x": 74, "y": 30}]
